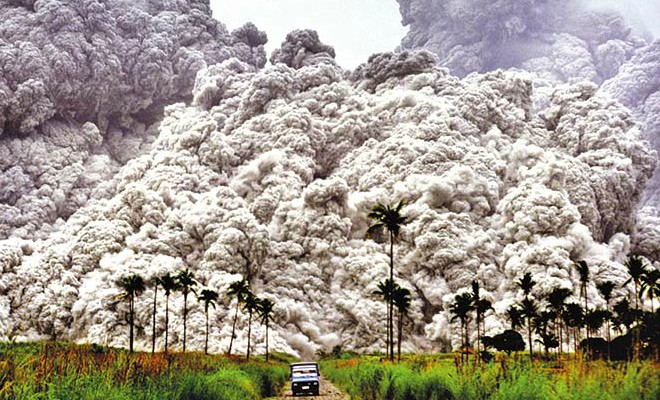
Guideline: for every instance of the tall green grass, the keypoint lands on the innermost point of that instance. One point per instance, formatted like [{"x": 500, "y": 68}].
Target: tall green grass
[
  {"x": 63, "y": 371},
  {"x": 428, "y": 378}
]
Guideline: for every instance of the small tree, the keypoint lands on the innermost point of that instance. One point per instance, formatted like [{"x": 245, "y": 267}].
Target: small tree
[
  {"x": 573, "y": 317},
  {"x": 526, "y": 283},
  {"x": 401, "y": 299},
  {"x": 133, "y": 286},
  {"x": 636, "y": 270},
  {"x": 556, "y": 303},
  {"x": 650, "y": 285},
  {"x": 461, "y": 308},
  {"x": 583, "y": 270},
  {"x": 240, "y": 290},
  {"x": 266, "y": 314},
  {"x": 606, "y": 288},
  {"x": 209, "y": 297},
  {"x": 385, "y": 289},
  {"x": 169, "y": 284},
  {"x": 187, "y": 283}
]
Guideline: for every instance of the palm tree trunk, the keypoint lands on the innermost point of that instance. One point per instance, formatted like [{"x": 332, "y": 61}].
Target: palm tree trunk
[
  {"x": 206, "y": 339},
  {"x": 185, "y": 317},
  {"x": 167, "y": 318},
  {"x": 478, "y": 337},
  {"x": 529, "y": 338},
  {"x": 233, "y": 328},
  {"x": 609, "y": 340},
  {"x": 391, "y": 310},
  {"x": 249, "y": 335},
  {"x": 266, "y": 340},
  {"x": 153, "y": 323},
  {"x": 400, "y": 333},
  {"x": 636, "y": 344},
  {"x": 130, "y": 323}
]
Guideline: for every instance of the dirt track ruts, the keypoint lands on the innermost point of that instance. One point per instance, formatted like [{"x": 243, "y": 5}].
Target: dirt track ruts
[{"x": 327, "y": 392}]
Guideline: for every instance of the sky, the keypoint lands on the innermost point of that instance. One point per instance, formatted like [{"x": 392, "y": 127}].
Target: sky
[
  {"x": 359, "y": 28},
  {"x": 355, "y": 28}
]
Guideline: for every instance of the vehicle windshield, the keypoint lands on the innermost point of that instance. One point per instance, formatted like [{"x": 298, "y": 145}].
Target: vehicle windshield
[{"x": 303, "y": 371}]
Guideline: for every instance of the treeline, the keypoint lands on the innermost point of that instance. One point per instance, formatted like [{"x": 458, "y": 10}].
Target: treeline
[
  {"x": 551, "y": 321},
  {"x": 184, "y": 282}
]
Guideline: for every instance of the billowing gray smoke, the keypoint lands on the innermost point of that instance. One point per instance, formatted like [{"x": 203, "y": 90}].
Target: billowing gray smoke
[
  {"x": 558, "y": 42},
  {"x": 83, "y": 82},
  {"x": 270, "y": 174}
]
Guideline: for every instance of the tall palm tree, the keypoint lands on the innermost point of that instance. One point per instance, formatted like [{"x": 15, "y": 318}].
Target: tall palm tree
[
  {"x": 556, "y": 302},
  {"x": 187, "y": 284},
  {"x": 388, "y": 217},
  {"x": 461, "y": 308},
  {"x": 402, "y": 300},
  {"x": 155, "y": 282},
  {"x": 252, "y": 304},
  {"x": 133, "y": 286},
  {"x": 209, "y": 297},
  {"x": 636, "y": 270},
  {"x": 526, "y": 284},
  {"x": 169, "y": 284},
  {"x": 240, "y": 290},
  {"x": 386, "y": 290},
  {"x": 650, "y": 285},
  {"x": 530, "y": 311},
  {"x": 605, "y": 289},
  {"x": 583, "y": 270},
  {"x": 476, "y": 298},
  {"x": 266, "y": 314}
]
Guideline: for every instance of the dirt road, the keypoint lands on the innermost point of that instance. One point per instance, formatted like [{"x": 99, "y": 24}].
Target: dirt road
[{"x": 328, "y": 392}]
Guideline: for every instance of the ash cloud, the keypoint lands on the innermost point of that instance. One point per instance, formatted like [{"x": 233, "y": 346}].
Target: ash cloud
[
  {"x": 82, "y": 89},
  {"x": 558, "y": 42},
  {"x": 270, "y": 174}
]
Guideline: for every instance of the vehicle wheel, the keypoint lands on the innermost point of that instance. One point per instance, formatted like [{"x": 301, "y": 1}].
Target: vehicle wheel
[{"x": 316, "y": 392}]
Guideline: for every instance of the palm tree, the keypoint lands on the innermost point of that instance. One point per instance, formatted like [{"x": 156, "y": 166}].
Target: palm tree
[
  {"x": 133, "y": 286},
  {"x": 605, "y": 289},
  {"x": 401, "y": 299},
  {"x": 169, "y": 284},
  {"x": 240, "y": 290},
  {"x": 389, "y": 218},
  {"x": 265, "y": 312},
  {"x": 650, "y": 285},
  {"x": 573, "y": 317},
  {"x": 526, "y": 283},
  {"x": 636, "y": 270},
  {"x": 252, "y": 304},
  {"x": 187, "y": 284},
  {"x": 583, "y": 270},
  {"x": 209, "y": 297},
  {"x": 548, "y": 339},
  {"x": 156, "y": 282},
  {"x": 461, "y": 308},
  {"x": 386, "y": 290},
  {"x": 529, "y": 311},
  {"x": 476, "y": 298},
  {"x": 556, "y": 302},
  {"x": 515, "y": 316}
]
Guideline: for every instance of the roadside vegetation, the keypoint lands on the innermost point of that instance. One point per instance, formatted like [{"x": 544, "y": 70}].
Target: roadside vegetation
[
  {"x": 48, "y": 370},
  {"x": 440, "y": 377}
]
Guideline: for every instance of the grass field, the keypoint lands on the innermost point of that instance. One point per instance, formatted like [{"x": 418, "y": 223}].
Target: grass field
[
  {"x": 438, "y": 377},
  {"x": 65, "y": 371}
]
